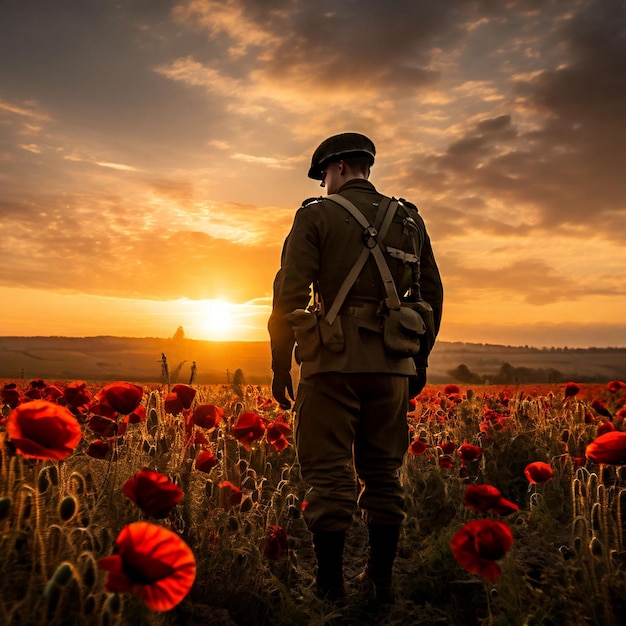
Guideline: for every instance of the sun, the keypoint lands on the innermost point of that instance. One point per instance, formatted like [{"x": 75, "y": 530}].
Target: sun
[{"x": 217, "y": 319}]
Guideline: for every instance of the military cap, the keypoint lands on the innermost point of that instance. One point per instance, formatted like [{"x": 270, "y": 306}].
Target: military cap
[{"x": 337, "y": 146}]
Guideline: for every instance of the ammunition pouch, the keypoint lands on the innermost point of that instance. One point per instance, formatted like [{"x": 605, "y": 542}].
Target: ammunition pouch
[
  {"x": 426, "y": 313},
  {"x": 311, "y": 332},
  {"x": 404, "y": 331},
  {"x": 304, "y": 324},
  {"x": 331, "y": 335}
]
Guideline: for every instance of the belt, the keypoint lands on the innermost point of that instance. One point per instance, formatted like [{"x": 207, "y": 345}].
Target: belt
[{"x": 365, "y": 310}]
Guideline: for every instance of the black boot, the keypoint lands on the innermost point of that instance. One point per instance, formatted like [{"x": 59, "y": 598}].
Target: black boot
[
  {"x": 329, "y": 551},
  {"x": 383, "y": 542}
]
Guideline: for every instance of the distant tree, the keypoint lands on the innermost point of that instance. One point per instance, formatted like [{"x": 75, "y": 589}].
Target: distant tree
[
  {"x": 179, "y": 335},
  {"x": 463, "y": 374},
  {"x": 239, "y": 381}
]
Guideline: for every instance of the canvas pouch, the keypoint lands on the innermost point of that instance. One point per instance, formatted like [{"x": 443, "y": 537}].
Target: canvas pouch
[
  {"x": 403, "y": 331},
  {"x": 305, "y": 326},
  {"x": 331, "y": 335}
]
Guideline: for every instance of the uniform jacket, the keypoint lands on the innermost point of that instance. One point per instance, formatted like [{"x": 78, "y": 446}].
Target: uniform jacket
[{"x": 321, "y": 248}]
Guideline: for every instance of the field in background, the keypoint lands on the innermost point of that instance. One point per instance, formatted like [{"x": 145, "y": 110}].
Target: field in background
[{"x": 119, "y": 358}]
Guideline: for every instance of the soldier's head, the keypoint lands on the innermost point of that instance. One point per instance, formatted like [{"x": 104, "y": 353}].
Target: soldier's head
[{"x": 341, "y": 158}]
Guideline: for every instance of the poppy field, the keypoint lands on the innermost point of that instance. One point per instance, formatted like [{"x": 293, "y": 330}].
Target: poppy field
[{"x": 172, "y": 505}]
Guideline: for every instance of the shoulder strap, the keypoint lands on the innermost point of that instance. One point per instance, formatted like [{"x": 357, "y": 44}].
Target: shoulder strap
[{"x": 387, "y": 209}]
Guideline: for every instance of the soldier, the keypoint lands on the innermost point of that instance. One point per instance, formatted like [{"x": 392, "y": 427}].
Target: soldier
[{"x": 351, "y": 405}]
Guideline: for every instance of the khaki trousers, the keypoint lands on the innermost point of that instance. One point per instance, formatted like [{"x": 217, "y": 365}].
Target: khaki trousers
[{"x": 351, "y": 432}]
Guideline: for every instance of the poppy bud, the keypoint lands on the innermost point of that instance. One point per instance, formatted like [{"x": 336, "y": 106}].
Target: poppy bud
[
  {"x": 596, "y": 548},
  {"x": 54, "y": 587},
  {"x": 25, "y": 507},
  {"x": 152, "y": 422},
  {"x": 88, "y": 569},
  {"x": 78, "y": 484},
  {"x": 43, "y": 482},
  {"x": 113, "y": 605},
  {"x": 89, "y": 605},
  {"x": 68, "y": 508},
  {"x": 5, "y": 507},
  {"x": 208, "y": 488}
]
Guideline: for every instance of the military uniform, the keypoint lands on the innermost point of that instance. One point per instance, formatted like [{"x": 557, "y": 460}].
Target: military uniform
[{"x": 351, "y": 403}]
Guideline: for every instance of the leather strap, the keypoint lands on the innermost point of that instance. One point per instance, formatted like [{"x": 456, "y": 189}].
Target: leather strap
[{"x": 387, "y": 208}]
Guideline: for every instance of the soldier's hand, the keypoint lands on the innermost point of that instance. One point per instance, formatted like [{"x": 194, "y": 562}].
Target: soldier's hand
[
  {"x": 282, "y": 389},
  {"x": 417, "y": 383}
]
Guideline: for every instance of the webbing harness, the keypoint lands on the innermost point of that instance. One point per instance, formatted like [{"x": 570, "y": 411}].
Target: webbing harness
[{"x": 372, "y": 237}]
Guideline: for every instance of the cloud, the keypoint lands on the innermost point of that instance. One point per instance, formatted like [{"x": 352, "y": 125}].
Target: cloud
[
  {"x": 530, "y": 280},
  {"x": 25, "y": 110},
  {"x": 92, "y": 243},
  {"x": 553, "y": 154}
]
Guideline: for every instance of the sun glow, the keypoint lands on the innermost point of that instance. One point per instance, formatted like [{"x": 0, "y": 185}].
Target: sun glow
[{"x": 217, "y": 319}]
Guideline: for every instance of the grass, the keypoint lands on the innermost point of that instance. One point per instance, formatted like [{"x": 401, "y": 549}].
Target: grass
[{"x": 566, "y": 565}]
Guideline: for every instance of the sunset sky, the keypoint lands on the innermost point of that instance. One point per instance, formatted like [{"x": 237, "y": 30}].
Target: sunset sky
[{"x": 153, "y": 154}]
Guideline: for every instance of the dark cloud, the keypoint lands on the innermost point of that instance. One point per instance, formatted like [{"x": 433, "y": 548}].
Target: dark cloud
[
  {"x": 569, "y": 168},
  {"x": 333, "y": 44},
  {"x": 90, "y": 65}
]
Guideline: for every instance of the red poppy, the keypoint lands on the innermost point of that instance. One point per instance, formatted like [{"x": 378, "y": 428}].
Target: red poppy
[
  {"x": 487, "y": 499},
  {"x": 137, "y": 416},
  {"x": 10, "y": 395},
  {"x": 417, "y": 447},
  {"x": 263, "y": 403},
  {"x": 230, "y": 495},
  {"x": 51, "y": 393},
  {"x": 600, "y": 408},
  {"x": 616, "y": 385},
  {"x": 571, "y": 389},
  {"x": 155, "y": 494},
  {"x": 200, "y": 439},
  {"x": 605, "y": 427},
  {"x": 469, "y": 452},
  {"x": 99, "y": 449},
  {"x": 275, "y": 543},
  {"x": 448, "y": 447},
  {"x": 479, "y": 544},
  {"x": 43, "y": 430},
  {"x": 538, "y": 472},
  {"x": 445, "y": 461},
  {"x": 35, "y": 389},
  {"x": 451, "y": 390},
  {"x": 608, "y": 449},
  {"x": 151, "y": 562},
  {"x": 249, "y": 428},
  {"x": 77, "y": 395},
  {"x": 103, "y": 425},
  {"x": 179, "y": 399},
  {"x": 206, "y": 461},
  {"x": 102, "y": 409},
  {"x": 122, "y": 397},
  {"x": 277, "y": 433},
  {"x": 207, "y": 416}
]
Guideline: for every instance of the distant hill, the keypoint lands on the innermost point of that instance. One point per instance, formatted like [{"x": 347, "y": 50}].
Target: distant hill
[{"x": 139, "y": 359}]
